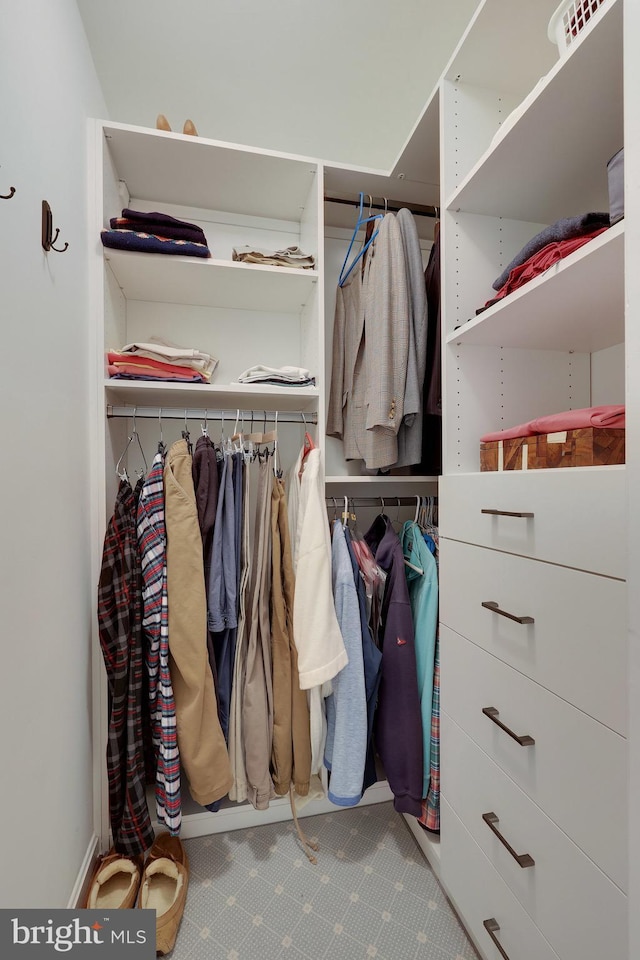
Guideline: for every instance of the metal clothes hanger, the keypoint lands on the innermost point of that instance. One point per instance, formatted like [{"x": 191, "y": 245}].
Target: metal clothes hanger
[
  {"x": 204, "y": 427},
  {"x": 161, "y": 447},
  {"x": 122, "y": 473},
  {"x": 360, "y": 222},
  {"x": 186, "y": 435}
]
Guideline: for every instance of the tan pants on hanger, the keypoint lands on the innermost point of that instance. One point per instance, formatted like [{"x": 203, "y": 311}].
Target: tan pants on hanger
[
  {"x": 257, "y": 700},
  {"x": 203, "y": 751},
  {"x": 291, "y": 754}
]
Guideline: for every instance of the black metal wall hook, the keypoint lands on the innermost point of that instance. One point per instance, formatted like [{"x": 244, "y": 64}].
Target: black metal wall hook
[
  {"x": 47, "y": 230},
  {"x": 7, "y": 196}
]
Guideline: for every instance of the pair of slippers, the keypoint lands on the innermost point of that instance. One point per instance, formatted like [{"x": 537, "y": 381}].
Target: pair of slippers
[
  {"x": 163, "y": 124},
  {"x": 125, "y": 882}
]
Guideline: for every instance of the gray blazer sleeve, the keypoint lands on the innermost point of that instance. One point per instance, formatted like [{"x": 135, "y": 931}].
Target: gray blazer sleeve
[{"x": 386, "y": 330}]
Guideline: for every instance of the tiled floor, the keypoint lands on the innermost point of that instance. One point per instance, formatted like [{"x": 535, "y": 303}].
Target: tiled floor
[{"x": 254, "y": 896}]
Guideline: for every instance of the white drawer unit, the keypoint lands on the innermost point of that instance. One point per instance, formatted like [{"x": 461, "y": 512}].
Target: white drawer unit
[
  {"x": 575, "y": 769},
  {"x": 555, "y": 882},
  {"x": 527, "y": 514},
  {"x": 563, "y": 628},
  {"x": 497, "y": 922}
]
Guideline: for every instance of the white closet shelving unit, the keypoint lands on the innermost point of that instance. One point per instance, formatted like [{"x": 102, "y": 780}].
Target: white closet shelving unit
[
  {"x": 557, "y": 343},
  {"x": 240, "y": 313},
  {"x": 559, "y": 559}
]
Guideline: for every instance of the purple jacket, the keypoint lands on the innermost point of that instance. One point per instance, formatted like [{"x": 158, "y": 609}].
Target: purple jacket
[{"x": 398, "y": 722}]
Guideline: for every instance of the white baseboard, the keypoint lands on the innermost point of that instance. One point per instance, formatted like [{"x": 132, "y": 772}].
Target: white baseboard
[
  {"x": 429, "y": 843},
  {"x": 80, "y": 886}
]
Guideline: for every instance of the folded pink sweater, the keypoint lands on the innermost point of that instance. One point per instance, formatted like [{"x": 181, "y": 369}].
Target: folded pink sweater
[{"x": 607, "y": 416}]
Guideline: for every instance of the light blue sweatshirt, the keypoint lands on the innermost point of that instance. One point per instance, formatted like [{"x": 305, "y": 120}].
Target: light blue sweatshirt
[
  {"x": 346, "y": 745},
  {"x": 423, "y": 596}
]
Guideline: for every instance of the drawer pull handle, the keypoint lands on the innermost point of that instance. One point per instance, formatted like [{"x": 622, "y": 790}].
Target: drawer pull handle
[
  {"x": 492, "y": 927},
  {"x": 522, "y": 859},
  {"x": 493, "y": 714},
  {"x": 508, "y": 513},
  {"x": 493, "y": 606}
]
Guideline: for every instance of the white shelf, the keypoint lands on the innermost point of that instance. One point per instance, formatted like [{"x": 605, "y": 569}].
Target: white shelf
[
  {"x": 216, "y": 396},
  {"x": 240, "y": 816},
  {"x": 419, "y": 159},
  {"x": 578, "y": 304},
  {"x": 197, "y": 172},
  {"x": 394, "y": 486},
  {"x": 159, "y": 278},
  {"x": 552, "y": 162},
  {"x": 492, "y": 47}
]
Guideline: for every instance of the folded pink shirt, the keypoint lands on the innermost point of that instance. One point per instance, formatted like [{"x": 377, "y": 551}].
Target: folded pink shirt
[{"x": 607, "y": 416}]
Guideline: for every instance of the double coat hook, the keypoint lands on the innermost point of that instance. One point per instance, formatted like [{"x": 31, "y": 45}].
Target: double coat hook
[
  {"x": 48, "y": 237},
  {"x": 7, "y": 196}
]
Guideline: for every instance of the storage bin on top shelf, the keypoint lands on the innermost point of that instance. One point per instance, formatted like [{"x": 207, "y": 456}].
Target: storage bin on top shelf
[{"x": 569, "y": 21}]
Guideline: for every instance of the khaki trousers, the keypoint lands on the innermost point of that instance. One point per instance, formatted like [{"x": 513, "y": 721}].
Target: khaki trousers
[
  {"x": 203, "y": 751},
  {"x": 291, "y": 752},
  {"x": 257, "y": 699}
]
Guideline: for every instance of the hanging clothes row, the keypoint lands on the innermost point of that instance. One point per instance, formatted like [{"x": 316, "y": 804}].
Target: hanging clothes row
[
  {"x": 215, "y": 661},
  {"x": 385, "y": 374},
  {"x": 387, "y": 604},
  {"x": 250, "y": 651}
]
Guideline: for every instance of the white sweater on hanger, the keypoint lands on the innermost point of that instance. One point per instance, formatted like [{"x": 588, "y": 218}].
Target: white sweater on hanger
[{"x": 316, "y": 633}]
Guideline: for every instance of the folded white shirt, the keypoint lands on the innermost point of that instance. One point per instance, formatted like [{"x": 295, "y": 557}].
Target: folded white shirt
[
  {"x": 287, "y": 257},
  {"x": 285, "y": 374}
]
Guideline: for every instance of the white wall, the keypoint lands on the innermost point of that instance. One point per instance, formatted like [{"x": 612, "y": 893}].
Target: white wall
[
  {"x": 632, "y": 296},
  {"x": 342, "y": 80},
  {"x": 48, "y": 88}
]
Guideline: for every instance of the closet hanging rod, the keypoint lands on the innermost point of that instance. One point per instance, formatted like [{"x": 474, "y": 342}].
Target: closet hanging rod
[
  {"x": 417, "y": 209},
  {"x": 199, "y": 413},
  {"x": 389, "y": 504}
]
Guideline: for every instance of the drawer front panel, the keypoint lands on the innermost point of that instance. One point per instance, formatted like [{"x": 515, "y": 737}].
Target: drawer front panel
[
  {"x": 479, "y": 894},
  {"x": 576, "y": 769},
  {"x": 560, "y": 887},
  {"x": 577, "y": 644},
  {"x": 578, "y": 515}
]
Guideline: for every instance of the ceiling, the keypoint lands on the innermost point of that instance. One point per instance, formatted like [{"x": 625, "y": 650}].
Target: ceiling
[{"x": 342, "y": 80}]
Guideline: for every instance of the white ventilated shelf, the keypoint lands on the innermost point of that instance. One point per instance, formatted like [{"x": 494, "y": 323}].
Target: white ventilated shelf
[
  {"x": 578, "y": 304},
  {"x": 552, "y": 162},
  {"x": 159, "y": 278},
  {"x": 198, "y": 172},
  {"x": 214, "y": 396}
]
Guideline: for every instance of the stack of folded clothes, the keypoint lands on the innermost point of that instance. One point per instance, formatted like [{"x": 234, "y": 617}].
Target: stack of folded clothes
[
  {"x": 288, "y": 257},
  {"x": 155, "y": 233},
  {"x": 283, "y": 376},
  {"x": 546, "y": 248},
  {"x": 160, "y": 360}
]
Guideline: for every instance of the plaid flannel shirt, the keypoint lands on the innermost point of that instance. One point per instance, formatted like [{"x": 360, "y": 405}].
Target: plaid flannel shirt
[
  {"x": 119, "y": 623},
  {"x": 152, "y": 541}
]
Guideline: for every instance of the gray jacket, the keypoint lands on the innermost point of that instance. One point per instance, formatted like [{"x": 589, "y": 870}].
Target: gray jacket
[{"x": 410, "y": 433}]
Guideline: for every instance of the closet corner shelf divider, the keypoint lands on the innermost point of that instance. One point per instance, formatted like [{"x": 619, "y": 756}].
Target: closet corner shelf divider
[
  {"x": 159, "y": 278},
  {"x": 222, "y": 396},
  {"x": 553, "y": 159},
  {"x": 577, "y": 304}
]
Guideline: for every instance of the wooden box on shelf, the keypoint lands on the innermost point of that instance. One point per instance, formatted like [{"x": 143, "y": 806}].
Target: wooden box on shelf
[{"x": 586, "y": 447}]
